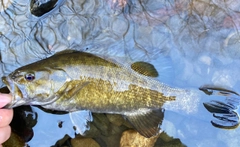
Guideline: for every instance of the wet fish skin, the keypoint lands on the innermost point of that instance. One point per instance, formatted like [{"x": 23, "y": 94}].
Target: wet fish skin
[
  {"x": 71, "y": 81},
  {"x": 105, "y": 85}
]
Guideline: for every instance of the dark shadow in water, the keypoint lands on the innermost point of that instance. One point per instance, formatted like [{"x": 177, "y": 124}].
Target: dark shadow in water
[
  {"x": 41, "y": 7},
  {"x": 24, "y": 120},
  {"x": 224, "y": 112}
]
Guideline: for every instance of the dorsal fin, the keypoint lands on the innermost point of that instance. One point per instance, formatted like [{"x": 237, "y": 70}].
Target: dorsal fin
[
  {"x": 145, "y": 68},
  {"x": 65, "y": 52}
]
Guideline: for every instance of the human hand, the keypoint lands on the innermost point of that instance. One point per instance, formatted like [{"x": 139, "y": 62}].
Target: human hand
[{"x": 6, "y": 116}]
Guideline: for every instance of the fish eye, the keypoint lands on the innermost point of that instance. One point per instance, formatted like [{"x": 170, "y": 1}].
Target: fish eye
[{"x": 29, "y": 76}]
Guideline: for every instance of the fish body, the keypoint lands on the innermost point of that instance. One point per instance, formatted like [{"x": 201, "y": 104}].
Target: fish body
[{"x": 72, "y": 81}]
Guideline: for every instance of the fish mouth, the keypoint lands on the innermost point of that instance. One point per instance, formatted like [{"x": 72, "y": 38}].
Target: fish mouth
[{"x": 17, "y": 97}]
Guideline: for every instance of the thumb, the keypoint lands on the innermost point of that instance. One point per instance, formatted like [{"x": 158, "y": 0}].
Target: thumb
[{"x": 4, "y": 99}]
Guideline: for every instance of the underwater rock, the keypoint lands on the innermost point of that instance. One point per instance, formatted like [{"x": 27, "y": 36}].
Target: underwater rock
[
  {"x": 166, "y": 141},
  {"x": 131, "y": 138},
  {"x": 115, "y": 119},
  {"x": 101, "y": 126},
  {"x": 64, "y": 142},
  {"x": 98, "y": 127},
  {"x": 41, "y": 7},
  {"x": 113, "y": 140},
  {"x": 24, "y": 120},
  {"x": 80, "y": 141},
  {"x": 173, "y": 143},
  {"x": 4, "y": 90},
  {"x": 102, "y": 123},
  {"x": 105, "y": 130},
  {"x": 14, "y": 140},
  {"x": 164, "y": 137}
]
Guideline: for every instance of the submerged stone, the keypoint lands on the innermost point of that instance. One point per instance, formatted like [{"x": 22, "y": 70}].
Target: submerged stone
[
  {"x": 102, "y": 126},
  {"x": 65, "y": 141},
  {"x": 14, "y": 140},
  {"x": 4, "y": 90},
  {"x": 133, "y": 138},
  {"x": 80, "y": 141},
  {"x": 24, "y": 120},
  {"x": 165, "y": 140},
  {"x": 115, "y": 119}
]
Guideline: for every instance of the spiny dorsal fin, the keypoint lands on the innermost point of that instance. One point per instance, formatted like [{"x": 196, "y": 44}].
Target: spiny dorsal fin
[
  {"x": 145, "y": 68},
  {"x": 146, "y": 121},
  {"x": 65, "y": 52}
]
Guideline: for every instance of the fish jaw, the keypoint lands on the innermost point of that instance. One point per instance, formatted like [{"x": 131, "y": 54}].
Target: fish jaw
[{"x": 17, "y": 96}]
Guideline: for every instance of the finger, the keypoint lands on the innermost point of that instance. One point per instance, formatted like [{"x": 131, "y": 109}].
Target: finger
[
  {"x": 6, "y": 116},
  {"x": 5, "y": 99},
  {"x": 5, "y": 133}
]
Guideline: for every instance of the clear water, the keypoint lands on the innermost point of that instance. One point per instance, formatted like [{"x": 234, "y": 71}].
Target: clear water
[{"x": 198, "y": 39}]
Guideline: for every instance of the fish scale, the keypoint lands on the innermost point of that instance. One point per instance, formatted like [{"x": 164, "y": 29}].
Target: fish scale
[{"x": 99, "y": 95}]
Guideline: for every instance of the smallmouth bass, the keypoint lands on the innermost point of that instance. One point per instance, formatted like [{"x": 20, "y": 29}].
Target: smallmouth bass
[{"x": 73, "y": 81}]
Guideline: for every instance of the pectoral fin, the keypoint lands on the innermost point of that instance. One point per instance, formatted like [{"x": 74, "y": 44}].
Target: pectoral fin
[
  {"x": 71, "y": 88},
  {"x": 80, "y": 120},
  {"x": 146, "y": 121}
]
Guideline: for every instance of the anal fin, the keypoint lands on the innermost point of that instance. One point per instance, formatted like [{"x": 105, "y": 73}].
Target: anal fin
[{"x": 146, "y": 121}]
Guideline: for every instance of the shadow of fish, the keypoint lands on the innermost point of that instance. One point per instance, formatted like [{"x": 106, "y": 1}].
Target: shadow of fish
[
  {"x": 225, "y": 112},
  {"x": 73, "y": 81}
]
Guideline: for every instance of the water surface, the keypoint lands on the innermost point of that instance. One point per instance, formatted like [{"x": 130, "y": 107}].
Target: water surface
[{"x": 192, "y": 43}]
